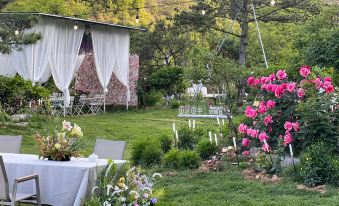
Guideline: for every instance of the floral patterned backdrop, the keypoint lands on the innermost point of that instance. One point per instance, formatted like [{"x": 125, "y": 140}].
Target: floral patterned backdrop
[{"x": 87, "y": 82}]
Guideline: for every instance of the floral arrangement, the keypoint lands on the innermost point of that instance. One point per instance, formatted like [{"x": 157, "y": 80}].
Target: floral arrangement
[
  {"x": 130, "y": 189},
  {"x": 273, "y": 120},
  {"x": 61, "y": 146}
]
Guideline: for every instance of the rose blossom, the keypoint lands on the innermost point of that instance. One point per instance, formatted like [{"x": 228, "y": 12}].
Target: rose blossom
[
  {"x": 317, "y": 82},
  {"x": 305, "y": 71},
  {"x": 246, "y": 153},
  {"x": 279, "y": 91},
  {"x": 250, "y": 112},
  {"x": 245, "y": 142},
  {"x": 291, "y": 86},
  {"x": 281, "y": 74},
  {"x": 327, "y": 79},
  {"x": 301, "y": 93},
  {"x": 271, "y": 77},
  {"x": 262, "y": 108},
  {"x": 263, "y": 80},
  {"x": 329, "y": 89},
  {"x": 263, "y": 136},
  {"x": 288, "y": 139},
  {"x": 263, "y": 86},
  {"x": 288, "y": 126},
  {"x": 251, "y": 81},
  {"x": 295, "y": 126},
  {"x": 268, "y": 120},
  {"x": 242, "y": 128},
  {"x": 252, "y": 132},
  {"x": 270, "y": 104}
]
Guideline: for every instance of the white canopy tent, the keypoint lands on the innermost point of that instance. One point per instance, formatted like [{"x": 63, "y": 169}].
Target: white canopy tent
[{"x": 57, "y": 53}]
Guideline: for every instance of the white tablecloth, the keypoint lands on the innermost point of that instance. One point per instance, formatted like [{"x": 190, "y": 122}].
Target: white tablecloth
[{"x": 61, "y": 183}]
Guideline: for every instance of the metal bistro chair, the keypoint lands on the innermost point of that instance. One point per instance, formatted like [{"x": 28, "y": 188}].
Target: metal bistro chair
[
  {"x": 10, "y": 199},
  {"x": 95, "y": 107},
  {"x": 106, "y": 149},
  {"x": 78, "y": 108},
  {"x": 10, "y": 144}
]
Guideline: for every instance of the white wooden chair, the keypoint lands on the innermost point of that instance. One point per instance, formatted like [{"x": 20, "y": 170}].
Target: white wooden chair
[
  {"x": 10, "y": 144},
  {"x": 107, "y": 149},
  {"x": 10, "y": 199}
]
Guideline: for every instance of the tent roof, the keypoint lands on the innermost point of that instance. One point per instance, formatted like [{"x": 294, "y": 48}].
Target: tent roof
[{"x": 78, "y": 20}]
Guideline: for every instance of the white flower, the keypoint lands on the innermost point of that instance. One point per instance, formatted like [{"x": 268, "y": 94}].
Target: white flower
[
  {"x": 66, "y": 125},
  {"x": 122, "y": 199},
  {"x": 76, "y": 131},
  {"x": 106, "y": 203}
]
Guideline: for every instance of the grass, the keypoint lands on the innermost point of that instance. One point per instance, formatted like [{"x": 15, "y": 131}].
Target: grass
[{"x": 180, "y": 187}]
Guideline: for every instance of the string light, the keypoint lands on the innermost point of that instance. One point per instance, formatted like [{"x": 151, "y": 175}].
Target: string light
[
  {"x": 272, "y": 2},
  {"x": 17, "y": 32},
  {"x": 76, "y": 26},
  {"x": 137, "y": 18}
]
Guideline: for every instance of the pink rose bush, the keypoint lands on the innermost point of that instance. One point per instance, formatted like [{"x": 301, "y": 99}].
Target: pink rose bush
[{"x": 273, "y": 121}]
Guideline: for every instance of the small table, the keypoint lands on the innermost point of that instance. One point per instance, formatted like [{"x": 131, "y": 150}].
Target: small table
[{"x": 61, "y": 183}]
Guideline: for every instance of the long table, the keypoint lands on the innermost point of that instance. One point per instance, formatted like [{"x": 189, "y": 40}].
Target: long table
[{"x": 61, "y": 183}]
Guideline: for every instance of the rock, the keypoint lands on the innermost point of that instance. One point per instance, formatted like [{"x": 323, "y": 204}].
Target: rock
[
  {"x": 20, "y": 117},
  {"x": 274, "y": 177},
  {"x": 254, "y": 151},
  {"x": 21, "y": 124}
]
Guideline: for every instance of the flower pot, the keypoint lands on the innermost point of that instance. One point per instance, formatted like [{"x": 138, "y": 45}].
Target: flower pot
[{"x": 64, "y": 159}]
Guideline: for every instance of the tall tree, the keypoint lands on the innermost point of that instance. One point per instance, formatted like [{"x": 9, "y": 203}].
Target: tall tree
[{"x": 241, "y": 11}]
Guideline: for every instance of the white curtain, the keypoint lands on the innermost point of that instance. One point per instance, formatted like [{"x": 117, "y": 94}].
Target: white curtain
[
  {"x": 66, "y": 45},
  {"x": 111, "y": 54},
  {"x": 31, "y": 62},
  {"x": 6, "y": 65}
]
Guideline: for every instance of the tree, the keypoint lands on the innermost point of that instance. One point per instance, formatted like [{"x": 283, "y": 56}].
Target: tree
[{"x": 241, "y": 12}]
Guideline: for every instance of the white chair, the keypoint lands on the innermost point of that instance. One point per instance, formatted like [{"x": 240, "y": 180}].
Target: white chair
[
  {"x": 78, "y": 108},
  {"x": 10, "y": 144},
  {"x": 95, "y": 107},
  {"x": 10, "y": 199},
  {"x": 107, "y": 149}
]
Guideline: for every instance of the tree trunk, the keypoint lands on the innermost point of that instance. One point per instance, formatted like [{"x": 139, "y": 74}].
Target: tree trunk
[{"x": 244, "y": 33}]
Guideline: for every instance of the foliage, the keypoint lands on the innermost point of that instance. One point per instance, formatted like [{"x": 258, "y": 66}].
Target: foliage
[
  {"x": 168, "y": 79},
  {"x": 319, "y": 166},
  {"x": 189, "y": 159},
  {"x": 3, "y": 116},
  {"x": 16, "y": 93},
  {"x": 146, "y": 152},
  {"x": 61, "y": 146},
  {"x": 320, "y": 122},
  {"x": 171, "y": 158},
  {"x": 153, "y": 98},
  {"x": 129, "y": 188},
  {"x": 189, "y": 138},
  {"x": 166, "y": 143},
  {"x": 205, "y": 149}
]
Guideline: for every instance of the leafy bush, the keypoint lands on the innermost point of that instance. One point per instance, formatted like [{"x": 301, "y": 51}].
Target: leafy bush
[
  {"x": 145, "y": 152},
  {"x": 166, "y": 143},
  {"x": 175, "y": 104},
  {"x": 15, "y": 93},
  {"x": 206, "y": 149},
  {"x": 189, "y": 138},
  {"x": 153, "y": 98},
  {"x": 152, "y": 154},
  {"x": 319, "y": 166},
  {"x": 171, "y": 158},
  {"x": 189, "y": 159}
]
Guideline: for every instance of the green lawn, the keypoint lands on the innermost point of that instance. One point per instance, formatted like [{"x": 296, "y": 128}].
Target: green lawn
[{"x": 183, "y": 187}]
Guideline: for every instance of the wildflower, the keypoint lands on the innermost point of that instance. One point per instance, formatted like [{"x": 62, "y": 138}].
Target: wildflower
[{"x": 154, "y": 200}]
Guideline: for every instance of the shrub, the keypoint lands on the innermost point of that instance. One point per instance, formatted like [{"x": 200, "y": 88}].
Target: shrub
[
  {"x": 319, "y": 166},
  {"x": 189, "y": 159},
  {"x": 152, "y": 154},
  {"x": 171, "y": 158},
  {"x": 189, "y": 138},
  {"x": 175, "y": 104},
  {"x": 166, "y": 143},
  {"x": 137, "y": 150},
  {"x": 145, "y": 152},
  {"x": 206, "y": 149},
  {"x": 153, "y": 98}
]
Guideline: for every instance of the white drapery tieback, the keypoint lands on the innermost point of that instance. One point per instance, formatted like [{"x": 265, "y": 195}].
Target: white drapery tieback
[
  {"x": 67, "y": 97},
  {"x": 105, "y": 90}
]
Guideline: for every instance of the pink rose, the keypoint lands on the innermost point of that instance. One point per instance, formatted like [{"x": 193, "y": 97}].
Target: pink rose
[
  {"x": 252, "y": 132},
  {"x": 245, "y": 142},
  {"x": 301, "y": 93},
  {"x": 317, "y": 82},
  {"x": 251, "y": 81},
  {"x": 242, "y": 128},
  {"x": 263, "y": 80},
  {"x": 262, "y": 108},
  {"x": 271, "y": 77},
  {"x": 329, "y": 89},
  {"x": 281, "y": 74},
  {"x": 268, "y": 120},
  {"x": 279, "y": 91},
  {"x": 288, "y": 139},
  {"x": 305, "y": 71},
  {"x": 291, "y": 86},
  {"x": 327, "y": 79},
  {"x": 250, "y": 112},
  {"x": 263, "y": 136},
  {"x": 295, "y": 126},
  {"x": 263, "y": 86},
  {"x": 266, "y": 147},
  {"x": 246, "y": 153},
  {"x": 288, "y": 126},
  {"x": 270, "y": 104}
]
